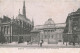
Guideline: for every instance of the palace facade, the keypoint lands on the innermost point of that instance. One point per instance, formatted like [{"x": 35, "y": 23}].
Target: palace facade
[{"x": 49, "y": 32}]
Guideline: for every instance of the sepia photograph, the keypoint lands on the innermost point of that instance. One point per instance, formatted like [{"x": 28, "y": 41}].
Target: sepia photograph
[{"x": 40, "y": 24}]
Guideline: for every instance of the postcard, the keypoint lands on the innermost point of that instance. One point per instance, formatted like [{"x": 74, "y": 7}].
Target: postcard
[{"x": 47, "y": 26}]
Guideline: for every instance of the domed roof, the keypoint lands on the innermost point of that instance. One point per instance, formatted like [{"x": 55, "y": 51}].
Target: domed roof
[{"x": 49, "y": 22}]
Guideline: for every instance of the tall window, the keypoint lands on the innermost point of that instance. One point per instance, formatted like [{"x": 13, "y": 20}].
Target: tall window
[
  {"x": 52, "y": 36},
  {"x": 1, "y": 29},
  {"x": 4, "y": 29},
  {"x": 45, "y": 36},
  {"x": 7, "y": 29}
]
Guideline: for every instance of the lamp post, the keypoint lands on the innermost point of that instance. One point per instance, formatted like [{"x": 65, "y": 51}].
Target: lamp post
[
  {"x": 11, "y": 31},
  {"x": 42, "y": 35},
  {"x": 67, "y": 38}
]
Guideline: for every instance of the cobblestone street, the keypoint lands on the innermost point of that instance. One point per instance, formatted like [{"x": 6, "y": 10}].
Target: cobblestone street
[{"x": 59, "y": 45}]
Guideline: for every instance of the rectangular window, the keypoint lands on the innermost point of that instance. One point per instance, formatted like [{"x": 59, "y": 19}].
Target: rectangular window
[
  {"x": 4, "y": 29},
  {"x": 7, "y": 29},
  {"x": 52, "y": 36},
  {"x": 45, "y": 36}
]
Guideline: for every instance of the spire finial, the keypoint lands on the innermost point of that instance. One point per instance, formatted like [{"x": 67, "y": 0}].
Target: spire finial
[
  {"x": 13, "y": 17},
  {"x": 32, "y": 22}
]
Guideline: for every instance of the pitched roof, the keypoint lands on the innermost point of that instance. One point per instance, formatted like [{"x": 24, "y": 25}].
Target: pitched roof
[
  {"x": 59, "y": 25},
  {"x": 49, "y": 22},
  {"x": 23, "y": 18}
]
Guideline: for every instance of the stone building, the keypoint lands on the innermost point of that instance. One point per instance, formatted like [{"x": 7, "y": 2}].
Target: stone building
[
  {"x": 72, "y": 29},
  {"x": 17, "y": 29},
  {"x": 50, "y": 32}
]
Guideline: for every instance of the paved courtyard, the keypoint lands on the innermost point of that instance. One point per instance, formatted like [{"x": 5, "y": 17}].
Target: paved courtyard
[{"x": 59, "y": 45}]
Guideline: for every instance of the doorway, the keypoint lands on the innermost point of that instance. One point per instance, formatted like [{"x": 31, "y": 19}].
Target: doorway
[{"x": 20, "y": 39}]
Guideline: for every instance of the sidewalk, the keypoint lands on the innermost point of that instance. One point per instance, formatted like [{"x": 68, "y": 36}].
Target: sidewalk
[{"x": 59, "y": 45}]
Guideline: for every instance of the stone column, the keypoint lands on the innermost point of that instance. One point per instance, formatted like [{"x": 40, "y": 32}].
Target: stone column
[
  {"x": 11, "y": 32},
  {"x": 7, "y": 29},
  {"x": 0, "y": 28},
  {"x": 48, "y": 35},
  {"x": 3, "y": 30}
]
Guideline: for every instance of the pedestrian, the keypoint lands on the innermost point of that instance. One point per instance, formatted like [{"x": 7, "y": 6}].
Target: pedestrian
[{"x": 41, "y": 42}]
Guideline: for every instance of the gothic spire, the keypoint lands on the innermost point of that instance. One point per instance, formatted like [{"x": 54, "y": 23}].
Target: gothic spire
[
  {"x": 24, "y": 9},
  {"x": 19, "y": 11}
]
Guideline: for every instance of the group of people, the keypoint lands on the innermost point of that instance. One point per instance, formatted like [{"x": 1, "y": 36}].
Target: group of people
[
  {"x": 28, "y": 42},
  {"x": 40, "y": 43}
]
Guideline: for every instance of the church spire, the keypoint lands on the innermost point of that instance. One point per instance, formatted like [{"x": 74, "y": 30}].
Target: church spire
[
  {"x": 32, "y": 22},
  {"x": 24, "y": 9}
]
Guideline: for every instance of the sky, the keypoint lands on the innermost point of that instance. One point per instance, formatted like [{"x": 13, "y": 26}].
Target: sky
[{"x": 40, "y": 10}]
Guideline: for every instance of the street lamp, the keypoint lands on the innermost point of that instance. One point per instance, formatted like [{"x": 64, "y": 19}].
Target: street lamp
[
  {"x": 11, "y": 31},
  {"x": 42, "y": 34}
]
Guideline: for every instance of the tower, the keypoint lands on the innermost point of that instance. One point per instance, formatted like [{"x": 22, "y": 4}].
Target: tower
[
  {"x": 24, "y": 9},
  {"x": 32, "y": 22}
]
